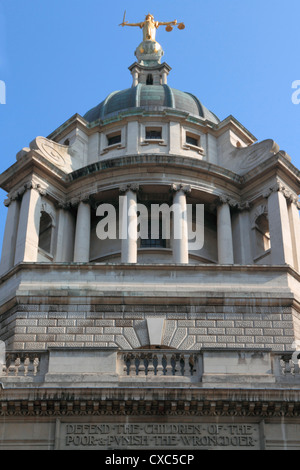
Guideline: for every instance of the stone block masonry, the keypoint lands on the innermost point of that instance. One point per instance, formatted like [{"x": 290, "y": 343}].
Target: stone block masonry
[{"x": 186, "y": 327}]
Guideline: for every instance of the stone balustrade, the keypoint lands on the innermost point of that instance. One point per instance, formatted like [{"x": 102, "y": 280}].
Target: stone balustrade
[
  {"x": 289, "y": 366},
  {"x": 94, "y": 365},
  {"x": 160, "y": 363},
  {"x": 21, "y": 364}
]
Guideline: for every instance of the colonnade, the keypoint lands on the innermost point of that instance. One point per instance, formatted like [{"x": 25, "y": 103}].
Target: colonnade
[{"x": 21, "y": 235}]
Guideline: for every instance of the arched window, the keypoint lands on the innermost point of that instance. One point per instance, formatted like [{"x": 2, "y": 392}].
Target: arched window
[
  {"x": 262, "y": 234},
  {"x": 45, "y": 232},
  {"x": 149, "y": 80}
]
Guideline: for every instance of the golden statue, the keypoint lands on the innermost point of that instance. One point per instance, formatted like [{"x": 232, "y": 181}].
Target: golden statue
[{"x": 150, "y": 26}]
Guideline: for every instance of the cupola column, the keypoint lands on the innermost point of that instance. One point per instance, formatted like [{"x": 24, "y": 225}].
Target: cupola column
[
  {"x": 83, "y": 232},
  {"x": 224, "y": 229},
  {"x": 180, "y": 224},
  {"x": 129, "y": 235}
]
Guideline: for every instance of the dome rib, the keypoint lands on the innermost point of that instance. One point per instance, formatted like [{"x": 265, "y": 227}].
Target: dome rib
[
  {"x": 200, "y": 108},
  {"x": 103, "y": 108},
  {"x": 170, "y": 96}
]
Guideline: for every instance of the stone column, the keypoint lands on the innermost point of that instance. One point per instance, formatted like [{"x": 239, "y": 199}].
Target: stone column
[
  {"x": 29, "y": 224},
  {"x": 129, "y": 223},
  {"x": 293, "y": 208},
  {"x": 224, "y": 229},
  {"x": 10, "y": 234},
  {"x": 180, "y": 224},
  {"x": 65, "y": 234},
  {"x": 135, "y": 78},
  {"x": 82, "y": 233},
  {"x": 279, "y": 225},
  {"x": 241, "y": 232}
]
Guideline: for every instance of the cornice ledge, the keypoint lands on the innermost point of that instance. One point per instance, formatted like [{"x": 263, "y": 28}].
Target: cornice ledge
[{"x": 155, "y": 159}]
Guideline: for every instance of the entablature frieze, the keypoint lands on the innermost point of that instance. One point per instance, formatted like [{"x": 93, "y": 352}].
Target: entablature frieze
[
  {"x": 205, "y": 181},
  {"x": 54, "y": 403}
]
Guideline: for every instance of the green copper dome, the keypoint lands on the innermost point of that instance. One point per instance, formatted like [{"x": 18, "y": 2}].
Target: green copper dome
[{"x": 150, "y": 98}]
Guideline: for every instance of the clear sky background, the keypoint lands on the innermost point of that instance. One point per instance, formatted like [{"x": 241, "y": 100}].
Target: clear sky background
[{"x": 61, "y": 57}]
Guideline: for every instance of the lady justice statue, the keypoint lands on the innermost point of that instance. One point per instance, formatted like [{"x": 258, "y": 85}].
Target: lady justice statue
[
  {"x": 150, "y": 26},
  {"x": 149, "y": 46}
]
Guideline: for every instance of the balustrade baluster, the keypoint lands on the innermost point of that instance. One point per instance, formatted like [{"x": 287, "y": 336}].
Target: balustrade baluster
[
  {"x": 17, "y": 365},
  {"x": 26, "y": 365},
  {"x": 160, "y": 366},
  {"x": 150, "y": 365}
]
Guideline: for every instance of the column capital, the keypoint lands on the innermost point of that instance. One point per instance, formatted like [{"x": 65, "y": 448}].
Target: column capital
[
  {"x": 18, "y": 193},
  {"x": 62, "y": 205},
  {"x": 84, "y": 198},
  {"x": 288, "y": 194},
  {"x": 291, "y": 197},
  {"x": 244, "y": 206},
  {"x": 223, "y": 199},
  {"x": 186, "y": 188},
  {"x": 15, "y": 196},
  {"x": 37, "y": 186},
  {"x": 134, "y": 187},
  {"x": 276, "y": 187}
]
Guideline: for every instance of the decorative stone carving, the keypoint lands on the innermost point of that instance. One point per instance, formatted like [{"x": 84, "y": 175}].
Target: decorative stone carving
[
  {"x": 233, "y": 203},
  {"x": 17, "y": 194},
  {"x": 186, "y": 188},
  {"x": 290, "y": 196},
  {"x": 86, "y": 198},
  {"x": 56, "y": 153},
  {"x": 243, "y": 159},
  {"x": 61, "y": 156},
  {"x": 63, "y": 205},
  {"x": 134, "y": 187}
]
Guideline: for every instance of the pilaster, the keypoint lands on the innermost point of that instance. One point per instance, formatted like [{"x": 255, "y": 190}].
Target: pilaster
[
  {"x": 279, "y": 224},
  {"x": 10, "y": 234},
  {"x": 28, "y": 228}
]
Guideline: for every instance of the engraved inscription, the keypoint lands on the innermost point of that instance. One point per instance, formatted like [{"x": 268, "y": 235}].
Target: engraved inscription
[{"x": 154, "y": 435}]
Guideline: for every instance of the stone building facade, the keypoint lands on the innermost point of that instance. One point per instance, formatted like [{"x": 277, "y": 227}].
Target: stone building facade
[{"x": 190, "y": 347}]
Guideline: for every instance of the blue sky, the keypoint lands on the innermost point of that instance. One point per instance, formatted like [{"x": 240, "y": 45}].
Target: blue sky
[{"x": 62, "y": 57}]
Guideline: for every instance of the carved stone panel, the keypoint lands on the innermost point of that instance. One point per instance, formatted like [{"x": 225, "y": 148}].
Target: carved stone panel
[{"x": 154, "y": 435}]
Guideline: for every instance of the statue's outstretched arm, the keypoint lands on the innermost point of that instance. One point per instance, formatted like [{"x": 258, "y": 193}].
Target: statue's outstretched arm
[
  {"x": 166, "y": 23},
  {"x": 132, "y": 24}
]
